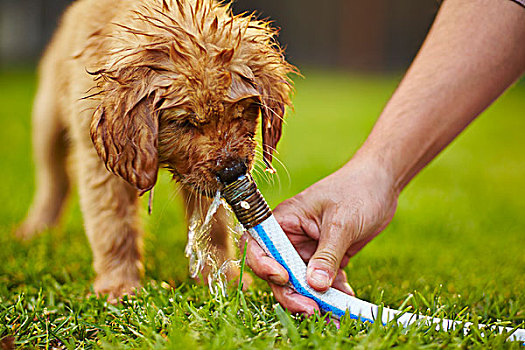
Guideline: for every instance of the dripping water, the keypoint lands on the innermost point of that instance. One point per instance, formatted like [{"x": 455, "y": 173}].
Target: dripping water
[{"x": 200, "y": 251}]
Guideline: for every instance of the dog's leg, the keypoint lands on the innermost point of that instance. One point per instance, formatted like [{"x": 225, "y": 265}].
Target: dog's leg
[
  {"x": 220, "y": 236},
  {"x": 49, "y": 150},
  {"x": 110, "y": 209}
]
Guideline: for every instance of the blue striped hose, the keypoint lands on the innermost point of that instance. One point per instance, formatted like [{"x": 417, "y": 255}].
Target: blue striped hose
[{"x": 254, "y": 213}]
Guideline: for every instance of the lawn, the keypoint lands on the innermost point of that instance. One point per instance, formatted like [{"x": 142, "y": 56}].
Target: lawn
[{"x": 455, "y": 247}]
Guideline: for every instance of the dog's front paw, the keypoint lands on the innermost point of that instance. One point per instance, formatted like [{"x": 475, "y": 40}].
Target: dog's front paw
[
  {"x": 115, "y": 289},
  {"x": 30, "y": 228}
]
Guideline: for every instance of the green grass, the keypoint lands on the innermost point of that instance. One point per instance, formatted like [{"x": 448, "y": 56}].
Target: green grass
[{"x": 454, "y": 249}]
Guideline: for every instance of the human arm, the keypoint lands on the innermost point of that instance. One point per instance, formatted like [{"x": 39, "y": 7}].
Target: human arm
[{"x": 474, "y": 51}]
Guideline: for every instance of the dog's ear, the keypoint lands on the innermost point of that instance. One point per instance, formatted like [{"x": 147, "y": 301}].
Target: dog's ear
[
  {"x": 124, "y": 130},
  {"x": 272, "y": 124},
  {"x": 241, "y": 89},
  {"x": 275, "y": 96}
]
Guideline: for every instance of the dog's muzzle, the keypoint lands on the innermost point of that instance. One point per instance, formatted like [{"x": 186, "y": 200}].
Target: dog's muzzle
[{"x": 231, "y": 171}]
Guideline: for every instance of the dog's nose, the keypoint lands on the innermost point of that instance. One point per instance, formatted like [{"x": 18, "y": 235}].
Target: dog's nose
[{"x": 231, "y": 171}]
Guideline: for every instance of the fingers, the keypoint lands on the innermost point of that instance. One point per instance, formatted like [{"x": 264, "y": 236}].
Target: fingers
[
  {"x": 270, "y": 270},
  {"x": 288, "y": 214},
  {"x": 341, "y": 283},
  {"x": 322, "y": 268},
  {"x": 262, "y": 265},
  {"x": 325, "y": 263},
  {"x": 293, "y": 301},
  {"x": 297, "y": 303}
]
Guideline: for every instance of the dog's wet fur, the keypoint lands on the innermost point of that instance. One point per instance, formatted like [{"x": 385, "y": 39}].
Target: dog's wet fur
[{"x": 129, "y": 86}]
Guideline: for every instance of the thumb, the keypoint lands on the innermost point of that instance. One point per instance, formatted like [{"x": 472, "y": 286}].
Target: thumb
[{"x": 326, "y": 261}]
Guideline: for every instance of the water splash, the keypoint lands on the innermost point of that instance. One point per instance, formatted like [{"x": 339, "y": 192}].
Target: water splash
[
  {"x": 201, "y": 252},
  {"x": 199, "y": 246}
]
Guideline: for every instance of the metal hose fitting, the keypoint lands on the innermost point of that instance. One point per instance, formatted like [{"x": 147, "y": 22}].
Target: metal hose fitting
[{"x": 246, "y": 201}]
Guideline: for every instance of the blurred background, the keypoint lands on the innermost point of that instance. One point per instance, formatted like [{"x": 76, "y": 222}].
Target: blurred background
[
  {"x": 372, "y": 35},
  {"x": 457, "y": 239}
]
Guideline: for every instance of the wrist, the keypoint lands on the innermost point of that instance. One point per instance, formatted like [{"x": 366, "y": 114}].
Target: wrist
[
  {"x": 372, "y": 169},
  {"x": 396, "y": 155}
]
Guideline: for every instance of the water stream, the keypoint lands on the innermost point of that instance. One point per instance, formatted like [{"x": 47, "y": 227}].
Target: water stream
[{"x": 201, "y": 252}]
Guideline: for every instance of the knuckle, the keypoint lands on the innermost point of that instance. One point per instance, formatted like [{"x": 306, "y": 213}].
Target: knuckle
[
  {"x": 338, "y": 226},
  {"x": 326, "y": 258},
  {"x": 289, "y": 223},
  {"x": 253, "y": 263},
  {"x": 285, "y": 206}
]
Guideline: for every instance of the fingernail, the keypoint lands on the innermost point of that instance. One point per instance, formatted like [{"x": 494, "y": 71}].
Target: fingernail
[
  {"x": 349, "y": 289},
  {"x": 320, "y": 278},
  {"x": 277, "y": 279}
]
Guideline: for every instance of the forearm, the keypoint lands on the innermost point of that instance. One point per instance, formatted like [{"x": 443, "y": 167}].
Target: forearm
[{"x": 474, "y": 51}]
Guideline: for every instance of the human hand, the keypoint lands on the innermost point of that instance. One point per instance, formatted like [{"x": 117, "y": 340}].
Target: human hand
[{"x": 327, "y": 223}]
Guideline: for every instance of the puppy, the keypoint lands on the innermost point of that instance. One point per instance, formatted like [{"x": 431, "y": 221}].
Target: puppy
[{"x": 129, "y": 86}]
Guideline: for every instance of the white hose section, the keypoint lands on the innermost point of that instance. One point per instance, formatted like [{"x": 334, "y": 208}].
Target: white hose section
[{"x": 274, "y": 241}]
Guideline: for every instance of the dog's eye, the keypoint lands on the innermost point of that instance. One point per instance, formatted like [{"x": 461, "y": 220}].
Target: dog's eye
[
  {"x": 182, "y": 123},
  {"x": 181, "y": 118},
  {"x": 252, "y": 110}
]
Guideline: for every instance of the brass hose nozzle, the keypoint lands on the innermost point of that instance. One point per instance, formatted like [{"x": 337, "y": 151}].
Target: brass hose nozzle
[{"x": 246, "y": 201}]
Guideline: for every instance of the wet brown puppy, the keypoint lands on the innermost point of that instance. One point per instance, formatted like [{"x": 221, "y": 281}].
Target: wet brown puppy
[{"x": 136, "y": 85}]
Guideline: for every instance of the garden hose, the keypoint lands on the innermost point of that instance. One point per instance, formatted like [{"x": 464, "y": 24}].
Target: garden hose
[{"x": 256, "y": 216}]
